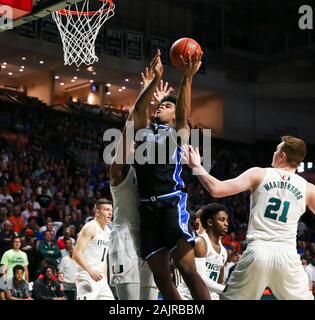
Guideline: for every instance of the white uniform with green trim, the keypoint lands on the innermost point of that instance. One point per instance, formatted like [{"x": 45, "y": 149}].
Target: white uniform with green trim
[
  {"x": 271, "y": 259},
  {"x": 125, "y": 264},
  {"x": 95, "y": 255},
  {"x": 213, "y": 262}
]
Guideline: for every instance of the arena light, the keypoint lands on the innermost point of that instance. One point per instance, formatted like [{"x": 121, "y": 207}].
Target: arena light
[
  {"x": 22, "y": 67},
  {"x": 301, "y": 167},
  {"x": 4, "y": 63},
  {"x": 108, "y": 84},
  {"x": 127, "y": 80},
  {"x": 152, "y": 102},
  {"x": 90, "y": 99},
  {"x": 91, "y": 81},
  {"x": 75, "y": 78},
  {"x": 56, "y": 77},
  {"x": 309, "y": 165},
  {"x": 141, "y": 83},
  {"x": 124, "y": 88},
  {"x": 94, "y": 73},
  {"x": 62, "y": 83},
  {"x": 72, "y": 80},
  {"x": 23, "y": 58},
  {"x": 108, "y": 93},
  {"x": 3, "y": 67},
  {"x": 10, "y": 73},
  {"x": 41, "y": 62},
  {"x": 21, "y": 70},
  {"x": 120, "y": 90}
]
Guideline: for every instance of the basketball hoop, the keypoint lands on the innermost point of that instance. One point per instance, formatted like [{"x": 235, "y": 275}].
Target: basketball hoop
[{"x": 79, "y": 27}]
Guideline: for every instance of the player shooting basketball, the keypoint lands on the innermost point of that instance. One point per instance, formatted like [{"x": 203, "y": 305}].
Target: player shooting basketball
[
  {"x": 164, "y": 219},
  {"x": 129, "y": 273}
]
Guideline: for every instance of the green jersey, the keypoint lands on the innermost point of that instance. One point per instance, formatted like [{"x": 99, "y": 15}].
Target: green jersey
[{"x": 13, "y": 257}]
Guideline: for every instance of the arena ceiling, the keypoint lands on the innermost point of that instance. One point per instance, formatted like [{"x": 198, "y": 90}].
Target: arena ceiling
[{"x": 242, "y": 35}]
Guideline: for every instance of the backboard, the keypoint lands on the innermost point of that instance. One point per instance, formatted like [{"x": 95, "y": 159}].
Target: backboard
[{"x": 28, "y": 10}]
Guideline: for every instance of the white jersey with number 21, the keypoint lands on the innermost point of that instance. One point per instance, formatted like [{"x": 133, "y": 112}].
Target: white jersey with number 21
[{"x": 276, "y": 207}]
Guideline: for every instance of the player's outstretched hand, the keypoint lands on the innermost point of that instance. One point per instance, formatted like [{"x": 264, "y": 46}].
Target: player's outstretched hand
[
  {"x": 191, "y": 156},
  {"x": 96, "y": 276},
  {"x": 162, "y": 91},
  {"x": 147, "y": 77},
  {"x": 156, "y": 65},
  {"x": 191, "y": 67}
]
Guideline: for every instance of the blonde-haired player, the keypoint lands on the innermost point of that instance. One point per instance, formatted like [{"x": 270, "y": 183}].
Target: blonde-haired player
[
  {"x": 90, "y": 253},
  {"x": 278, "y": 199}
]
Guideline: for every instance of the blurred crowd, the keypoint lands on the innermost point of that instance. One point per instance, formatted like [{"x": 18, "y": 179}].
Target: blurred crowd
[{"x": 51, "y": 174}]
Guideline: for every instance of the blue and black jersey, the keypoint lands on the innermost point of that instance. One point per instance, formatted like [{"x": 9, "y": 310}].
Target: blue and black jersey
[
  {"x": 156, "y": 178},
  {"x": 163, "y": 215}
]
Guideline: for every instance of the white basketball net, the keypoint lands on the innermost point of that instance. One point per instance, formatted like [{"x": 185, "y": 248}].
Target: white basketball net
[{"x": 78, "y": 30}]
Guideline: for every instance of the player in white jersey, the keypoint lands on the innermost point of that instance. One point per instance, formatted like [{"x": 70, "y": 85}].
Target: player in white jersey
[
  {"x": 90, "y": 253},
  {"x": 209, "y": 252},
  {"x": 130, "y": 275},
  {"x": 278, "y": 199}
]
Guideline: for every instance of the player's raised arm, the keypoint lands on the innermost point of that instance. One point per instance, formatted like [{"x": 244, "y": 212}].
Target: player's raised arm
[
  {"x": 143, "y": 102},
  {"x": 116, "y": 170},
  {"x": 183, "y": 105},
  {"x": 310, "y": 196},
  {"x": 86, "y": 234},
  {"x": 247, "y": 181},
  {"x": 125, "y": 144}
]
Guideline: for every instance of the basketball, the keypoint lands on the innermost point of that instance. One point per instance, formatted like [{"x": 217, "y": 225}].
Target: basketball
[{"x": 182, "y": 47}]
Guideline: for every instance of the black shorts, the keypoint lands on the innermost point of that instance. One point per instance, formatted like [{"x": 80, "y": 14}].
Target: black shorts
[{"x": 164, "y": 220}]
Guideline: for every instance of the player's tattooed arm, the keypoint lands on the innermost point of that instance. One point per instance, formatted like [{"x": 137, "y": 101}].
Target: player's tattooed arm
[
  {"x": 144, "y": 100},
  {"x": 221, "y": 276}
]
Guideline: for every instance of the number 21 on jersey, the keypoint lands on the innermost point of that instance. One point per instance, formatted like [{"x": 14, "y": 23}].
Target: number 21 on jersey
[{"x": 277, "y": 210}]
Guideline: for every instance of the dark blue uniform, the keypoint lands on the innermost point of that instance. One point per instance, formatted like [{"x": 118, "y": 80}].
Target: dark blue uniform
[{"x": 164, "y": 218}]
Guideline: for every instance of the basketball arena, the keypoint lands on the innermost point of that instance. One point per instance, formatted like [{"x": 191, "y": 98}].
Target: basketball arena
[{"x": 232, "y": 79}]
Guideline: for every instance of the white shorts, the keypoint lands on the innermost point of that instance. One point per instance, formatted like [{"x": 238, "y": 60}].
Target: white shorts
[
  {"x": 89, "y": 289},
  {"x": 125, "y": 264},
  {"x": 274, "y": 266},
  {"x": 186, "y": 295}
]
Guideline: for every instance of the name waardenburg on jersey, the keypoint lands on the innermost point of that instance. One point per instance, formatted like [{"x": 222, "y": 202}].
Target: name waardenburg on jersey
[{"x": 284, "y": 185}]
